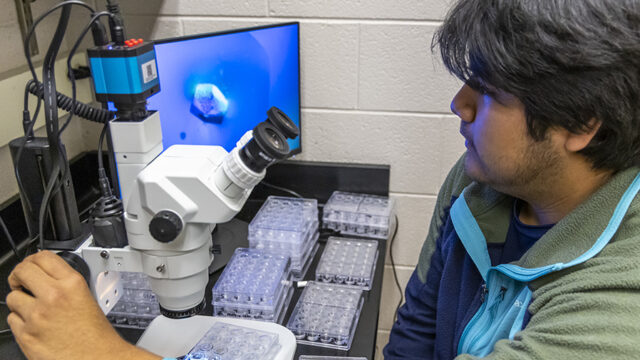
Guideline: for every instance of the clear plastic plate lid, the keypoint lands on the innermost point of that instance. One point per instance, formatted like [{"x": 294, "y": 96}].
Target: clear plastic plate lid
[
  {"x": 359, "y": 203},
  {"x": 231, "y": 342},
  {"x": 253, "y": 277},
  {"x": 348, "y": 261},
  {"x": 284, "y": 219},
  {"x": 326, "y": 315}
]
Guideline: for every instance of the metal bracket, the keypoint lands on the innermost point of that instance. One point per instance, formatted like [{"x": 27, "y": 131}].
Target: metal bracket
[{"x": 25, "y": 21}]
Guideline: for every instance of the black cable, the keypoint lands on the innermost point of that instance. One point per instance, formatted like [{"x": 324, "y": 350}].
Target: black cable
[
  {"x": 393, "y": 268},
  {"x": 82, "y": 110},
  {"x": 116, "y": 23},
  {"x": 10, "y": 239},
  {"x": 51, "y": 118},
  {"x": 94, "y": 18},
  {"x": 29, "y": 246},
  {"x": 32, "y": 31},
  {"x": 27, "y": 39},
  {"x": 88, "y": 209},
  {"x": 49, "y": 83},
  {"x": 100, "y": 141},
  {"x": 282, "y": 189},
  {"x": 51, "y": 96},
  {"x": 27, "y": 54}
]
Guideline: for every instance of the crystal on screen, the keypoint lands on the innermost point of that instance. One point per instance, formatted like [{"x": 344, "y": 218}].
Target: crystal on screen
[{"x": 209, "y": 103}]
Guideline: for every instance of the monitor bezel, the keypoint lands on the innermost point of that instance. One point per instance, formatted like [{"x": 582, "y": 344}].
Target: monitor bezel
[{"x": 232, "y": 31}]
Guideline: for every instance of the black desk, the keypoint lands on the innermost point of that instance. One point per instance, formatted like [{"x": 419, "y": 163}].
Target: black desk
[{"x": 313, "y": 180}]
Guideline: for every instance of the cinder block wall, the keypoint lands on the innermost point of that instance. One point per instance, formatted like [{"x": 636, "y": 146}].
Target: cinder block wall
[{"x": 372, "y": 92}]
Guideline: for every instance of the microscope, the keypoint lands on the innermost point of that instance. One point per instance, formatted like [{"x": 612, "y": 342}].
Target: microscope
[
  {"x": 171, "y": 200},
  {"x": 173, "y": 205}
]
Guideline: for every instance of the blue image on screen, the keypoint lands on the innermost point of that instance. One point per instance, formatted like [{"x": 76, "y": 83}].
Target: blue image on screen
[{"x": 216, "y": 87}]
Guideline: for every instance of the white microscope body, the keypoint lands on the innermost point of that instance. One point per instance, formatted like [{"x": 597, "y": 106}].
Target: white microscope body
[
  {"x": 171, "y": 208},
  {"x": 187, "y": 190}
]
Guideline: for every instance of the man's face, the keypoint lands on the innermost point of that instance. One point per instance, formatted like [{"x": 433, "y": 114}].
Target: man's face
[{"x": 500, "y": 152}]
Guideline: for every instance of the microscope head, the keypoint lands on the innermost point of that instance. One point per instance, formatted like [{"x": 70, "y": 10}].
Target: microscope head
[{"x": 182, "y": 194}]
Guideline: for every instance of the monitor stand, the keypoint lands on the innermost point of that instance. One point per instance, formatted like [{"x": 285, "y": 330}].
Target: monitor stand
[{"x": 227, "y": 237}]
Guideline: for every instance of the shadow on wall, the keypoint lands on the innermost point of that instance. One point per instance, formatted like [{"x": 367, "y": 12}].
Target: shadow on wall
[{"x": 140, "y": 17}]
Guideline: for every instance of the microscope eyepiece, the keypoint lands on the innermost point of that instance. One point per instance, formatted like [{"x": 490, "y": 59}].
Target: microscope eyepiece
[
  {"x": 267, "y": 146},
  {"x": 244, "y": 167},
  {"x": 282, "y": 122}
]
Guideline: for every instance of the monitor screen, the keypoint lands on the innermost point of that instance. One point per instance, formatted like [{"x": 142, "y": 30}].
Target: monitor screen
[{"x": 215, "y": 87}]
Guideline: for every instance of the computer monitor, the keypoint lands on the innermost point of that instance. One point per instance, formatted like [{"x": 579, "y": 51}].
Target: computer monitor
[{"x": 214, "y": 87}]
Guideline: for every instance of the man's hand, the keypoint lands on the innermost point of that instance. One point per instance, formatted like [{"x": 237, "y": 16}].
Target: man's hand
[{"x": 60, "y": 320}]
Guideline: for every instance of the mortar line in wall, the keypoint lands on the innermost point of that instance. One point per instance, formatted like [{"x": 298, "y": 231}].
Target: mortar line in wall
[
  {"x": 182, "y": 30},
  {"x": 365, "y": 21},
  {"x": 401, "y": 267},
  {"x": 324, "y": 20},
  {"x": 358, "y": 67},
  {"x": 413, "y": 195},
  {"x": 373, "y": 112}
]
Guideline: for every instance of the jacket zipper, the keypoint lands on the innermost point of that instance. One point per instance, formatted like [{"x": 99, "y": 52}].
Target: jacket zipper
[
  {"x": 491, "y": 313},
  {"x": 475, "y": 317}
]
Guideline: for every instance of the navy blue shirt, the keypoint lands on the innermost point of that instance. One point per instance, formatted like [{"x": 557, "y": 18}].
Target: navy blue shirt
[{"x": 431, "y": 321}]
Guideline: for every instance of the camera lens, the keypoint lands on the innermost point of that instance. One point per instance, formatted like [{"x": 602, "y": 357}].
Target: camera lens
[
  {"x": 282, "y": 122},
  {"x": 267, "y": 146}
]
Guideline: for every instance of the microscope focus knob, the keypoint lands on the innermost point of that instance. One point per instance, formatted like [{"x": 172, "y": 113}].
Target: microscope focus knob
[{"x": 165, "y": 226}]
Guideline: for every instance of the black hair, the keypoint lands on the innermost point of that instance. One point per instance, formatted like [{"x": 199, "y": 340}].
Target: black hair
[{"x": 568, "y": 61}]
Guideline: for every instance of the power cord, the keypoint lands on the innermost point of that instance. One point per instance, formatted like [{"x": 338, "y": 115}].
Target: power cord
[
  {"x": 285, "y": 190},
  {"x": 393, "y": 268},
  {"x": 74, "y": 102},
  {"x": 10, "y": 239},
  {"x": 28, "y": 54},
  {"x": 51, "y": 120},
  {"x": 35, "y": 24},
  {"x": 106, "y": 219},
  {"x": 5, "y": 331}
]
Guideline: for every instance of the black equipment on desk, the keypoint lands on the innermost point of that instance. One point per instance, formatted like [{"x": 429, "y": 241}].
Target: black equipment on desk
[{"x": 35, "y": 166}]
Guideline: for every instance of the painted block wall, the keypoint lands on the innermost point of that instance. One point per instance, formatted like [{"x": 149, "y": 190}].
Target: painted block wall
[{"x": 372, "y": 92}]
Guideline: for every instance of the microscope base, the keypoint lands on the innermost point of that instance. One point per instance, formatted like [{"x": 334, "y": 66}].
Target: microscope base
[{"x": 176, "y": 337}]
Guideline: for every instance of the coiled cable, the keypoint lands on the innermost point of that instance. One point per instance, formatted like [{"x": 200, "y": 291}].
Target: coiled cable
[{"x": 66, "y": 103}]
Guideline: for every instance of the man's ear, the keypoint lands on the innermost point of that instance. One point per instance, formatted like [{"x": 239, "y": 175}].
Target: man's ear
[{"x": 576, "y": 142}]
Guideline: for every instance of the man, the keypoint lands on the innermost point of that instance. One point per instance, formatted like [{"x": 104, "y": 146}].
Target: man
[
  {"x": 550, "y": 115},
  {"x": 550, "y": 112}
]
